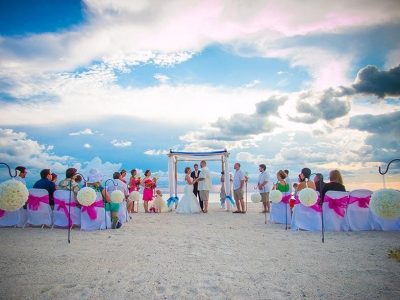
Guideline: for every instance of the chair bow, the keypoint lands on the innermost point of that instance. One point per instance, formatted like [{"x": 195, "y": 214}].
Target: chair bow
[
  {"x": 34, "y": 201},
  {"x": 63, "y": 205},
  {"x": 91, "y": 209},
  {"x": 338, "y": 205},
  {"x": 361, "y": 202}
]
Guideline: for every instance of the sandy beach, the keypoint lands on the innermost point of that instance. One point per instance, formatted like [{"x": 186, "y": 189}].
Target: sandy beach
[{"x": 218, "y": 255}]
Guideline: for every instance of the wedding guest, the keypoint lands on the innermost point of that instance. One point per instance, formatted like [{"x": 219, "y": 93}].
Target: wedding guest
[
  {"x": 124, "y": 188},
  {"x": 335, "y": 183},
  {"x": 288, "y": 181},
  {"x": 45, "y": 183},
  {"x": 281, "y": 184},
  {"x": 21, "y": 174},
  {"x": 149, "y": 186},
  {"x": 69, "y": 183},
  {"x": 304, "y": 180},
  {"x": 123, "y": 175},
  {"x": 195, "y": 174},
  {"x": 134, "y": 185},
  {"x": 205, "y": 184},
  {"x": 95, "y": 182},
  {"x": 54, "y": 177},
  {"x": 238, "y": 182},
  {"x": 264, "y": 186},
  {"x": 78, "y": 180},
  {"x": 319, "y": 182}
]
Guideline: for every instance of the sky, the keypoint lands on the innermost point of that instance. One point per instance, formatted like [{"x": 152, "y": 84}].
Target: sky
[{"x": 117, "y": 84}]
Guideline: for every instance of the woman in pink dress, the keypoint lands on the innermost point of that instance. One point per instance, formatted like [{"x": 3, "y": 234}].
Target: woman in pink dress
[
  {"x": 134, "y": 185},
  {"x": 149, "y": 186}
]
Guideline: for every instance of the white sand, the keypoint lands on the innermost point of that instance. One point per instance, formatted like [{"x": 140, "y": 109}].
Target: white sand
[{"x": 217, "y": 255}]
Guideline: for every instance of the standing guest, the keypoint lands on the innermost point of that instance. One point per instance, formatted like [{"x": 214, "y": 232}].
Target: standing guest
[
  {"x": 134, "y": 185},
  {"x": 335, "y": 183},
  {"x": 94, "y": 181},
  {"x": 123, "y": 175},
  {"x": 124, "y": 188},
  {"x": 304, "y": 180},
  {"x": 21, "y": 174},
  {"x": 54, "y": 177},
  {"x": 45, "y": 183},
  {"x": 149, "y": 186},
  {"x": 264, "y": 186},
  {"x": 69, "y": 183},
  {"x": 238, "y": 182},
  {"x": 195, "y": 174},
  {"x": 205, "y": 185},
  {"x": 319, "y": 182},
  {"x": 288, "y": 181}
]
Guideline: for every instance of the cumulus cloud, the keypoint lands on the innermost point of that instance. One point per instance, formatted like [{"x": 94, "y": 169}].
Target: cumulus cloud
[
  {"x": 153, "y": 152},
  {"x": 121, "y": 143},
  {"x": 87, "y": 146},
  {"x": 161, "y": 78},
  {"x": 371, "y": 80},
  {"x": 86, "y": 131}
]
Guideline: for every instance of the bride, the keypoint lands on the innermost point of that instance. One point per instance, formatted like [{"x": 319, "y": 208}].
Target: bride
[{"x": 188, "y": 204}]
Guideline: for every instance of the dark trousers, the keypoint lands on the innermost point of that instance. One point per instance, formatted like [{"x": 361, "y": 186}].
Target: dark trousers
[{"x": 197, "y": 194}]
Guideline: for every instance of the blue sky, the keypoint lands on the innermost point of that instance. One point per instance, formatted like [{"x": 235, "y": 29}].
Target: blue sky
[{"x": 111, "y": 85}]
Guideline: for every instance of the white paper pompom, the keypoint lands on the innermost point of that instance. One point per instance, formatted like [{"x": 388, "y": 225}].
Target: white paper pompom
[
  {"x": 117, "y": 196},
  {"x": 86, "y": 196},
  {"x": 385, "y": 203},
  {"x": 134, "y": 196},
  {"x": 255, "y": 198},
  {"x": 308, "y": 197},
  {"x": 275, "y": 196},
  {"x": 13, "y": 195}
]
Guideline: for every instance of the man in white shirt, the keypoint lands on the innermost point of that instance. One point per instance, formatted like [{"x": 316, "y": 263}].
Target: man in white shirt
[
  {"x": 121, "y": 184},
  {"x": 21, "y": 174},
  {"x": 205, "y": 184},
  {"x": 238, "y": 182},
  {"x": 264, "y": 186}
]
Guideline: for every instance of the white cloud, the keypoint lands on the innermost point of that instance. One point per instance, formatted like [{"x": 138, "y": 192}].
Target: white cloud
[
  {"x": 121, "y": 143},
  {"x": 161, "y": 78},
  {"x": 86, "y": 131},
  {"x": 252, "y": 83},
  {"x": 87, "y": 146},
  {"x": 153, "y": 152}
]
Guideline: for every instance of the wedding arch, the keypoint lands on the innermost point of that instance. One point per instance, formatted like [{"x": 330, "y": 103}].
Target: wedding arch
[{"x": 175, "y": 156}]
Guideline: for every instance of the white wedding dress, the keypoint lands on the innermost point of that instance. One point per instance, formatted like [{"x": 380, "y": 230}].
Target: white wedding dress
[{"x": 189, "y": 203}]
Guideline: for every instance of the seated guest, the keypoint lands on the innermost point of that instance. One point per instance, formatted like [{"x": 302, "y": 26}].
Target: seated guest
[
  {"x": 69, "y": 183},
  {"x": 54, "y": 177},
  {"x": 78, "y": 180},
  {"x": 319, "y": 182},
  {"x": 124, "y": 188},
  {"x": 46, "y": 183},
  {"x": 304, "y": 180},
  {"x": 21, "y": 174},
  {"x": 335, "y": 184},
  {"x": 94, "y": 181}
]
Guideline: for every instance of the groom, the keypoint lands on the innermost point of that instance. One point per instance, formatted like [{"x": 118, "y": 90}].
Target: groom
[
  {"x": 195, "y": 174},
  {"x": 204, "y": 184}
]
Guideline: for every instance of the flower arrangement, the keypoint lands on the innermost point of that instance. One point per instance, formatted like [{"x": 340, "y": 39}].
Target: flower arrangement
[
  {"x": 275, "y": 196},
  {"x": 149, "y": 184},
  {"x": 86, "y": 196},
  {"x": 134, "y": 196},
  {"x": 255, "y": 197},
  {"x": 117, "y": 196},
  {"x": 385, "y": 203},
  {"x": 13, "y": 195},
  {"x": 308, "y": 197}
]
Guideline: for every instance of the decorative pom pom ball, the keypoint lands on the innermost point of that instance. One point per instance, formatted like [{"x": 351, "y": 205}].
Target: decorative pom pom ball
[
  {"x": 255, "y": 198},
  {"x": 134, "y": 196},
  {"x": 308, "y": 197},
  {"x": 86, "y": 196},
  {"x": 275, "y": 196},
  {"x": 13, "y": 195},
  {"x": 385, "y": 203},
  {"x": 117, "y": 196}
]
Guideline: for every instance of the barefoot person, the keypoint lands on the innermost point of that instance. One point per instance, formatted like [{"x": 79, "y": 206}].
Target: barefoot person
[
  {"x": 204, "y": 184},
  {"x": 264, "y": 186},
  {"x": 238, "y": 182}
]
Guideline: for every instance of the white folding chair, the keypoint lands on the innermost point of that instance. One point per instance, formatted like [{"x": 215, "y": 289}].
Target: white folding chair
[
  {"x": 280, "y": 212},
  {"x": 334, "y": 210},
  {"x": 62, "y": 204},
  {"x": 94, "y": 217},
  {"x": 16, "y": 218},
  {"x": 38, "y": 208},
  {"x": 358, "y": 215},
  {"x": 306, "y": 218}
]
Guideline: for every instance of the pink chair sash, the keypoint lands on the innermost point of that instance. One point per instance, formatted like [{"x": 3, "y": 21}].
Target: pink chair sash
[
  {"x": 338, "y": 205},
  {"x": 34, "y": 201},
  {"x": 285, "y": 199},
  {"x": 361, "y": 202},
  {"x": 316, "y": 207},
  {"x": 63, "y": 205},
  {"x": 2, "y": 212},
  {"x": 91, "y": 209}
]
